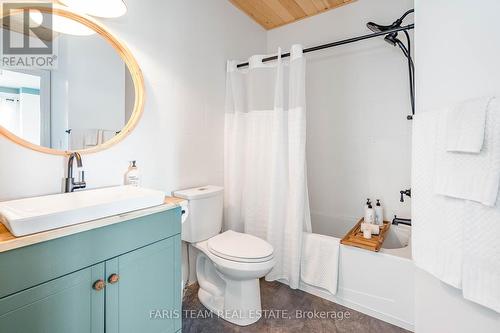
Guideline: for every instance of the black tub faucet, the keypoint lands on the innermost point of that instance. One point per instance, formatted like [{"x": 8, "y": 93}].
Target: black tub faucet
[{"x": 399, "y": 220}]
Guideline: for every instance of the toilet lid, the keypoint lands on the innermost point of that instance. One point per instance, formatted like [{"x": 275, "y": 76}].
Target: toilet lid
[{"x": 240, "y": 247}]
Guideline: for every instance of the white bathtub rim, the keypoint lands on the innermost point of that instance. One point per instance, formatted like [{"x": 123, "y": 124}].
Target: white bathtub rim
[{"x": 403, "y": 253}]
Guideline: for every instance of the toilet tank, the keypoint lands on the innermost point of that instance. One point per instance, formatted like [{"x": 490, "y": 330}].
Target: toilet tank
[{"x": 204, "y": 219}]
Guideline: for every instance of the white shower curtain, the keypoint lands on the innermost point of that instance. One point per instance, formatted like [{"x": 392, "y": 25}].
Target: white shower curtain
[{"x": 265, "y": 157}]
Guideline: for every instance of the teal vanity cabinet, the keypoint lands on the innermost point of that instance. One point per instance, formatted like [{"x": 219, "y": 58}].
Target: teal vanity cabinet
[
  {"x": 113, "y": 279},
  {"x": 66, "y": 304},
  {"x": 149, "y": 285}
]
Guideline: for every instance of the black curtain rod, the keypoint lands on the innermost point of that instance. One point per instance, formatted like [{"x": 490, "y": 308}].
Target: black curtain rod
[{"x": 340, "y": 42}]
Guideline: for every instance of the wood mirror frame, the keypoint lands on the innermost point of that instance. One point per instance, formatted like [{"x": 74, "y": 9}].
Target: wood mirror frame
[{"x": 128, "y": 58}]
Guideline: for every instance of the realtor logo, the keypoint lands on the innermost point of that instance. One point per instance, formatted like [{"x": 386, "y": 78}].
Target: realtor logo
[{"x": 27, "y": 35}]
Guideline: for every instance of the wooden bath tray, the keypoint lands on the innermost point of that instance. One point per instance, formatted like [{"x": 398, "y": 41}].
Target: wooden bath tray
[{"x": 355, "y": 237}]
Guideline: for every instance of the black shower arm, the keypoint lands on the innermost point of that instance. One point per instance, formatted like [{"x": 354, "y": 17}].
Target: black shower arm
[
  {"x": 396, "y": 23},
  {"x": 408, "y": 42},
  {"x": 408, "y": 12},
  {"x": 399, "y": 21},
  {"x": 405, "y": 50},
  {"x": 411, "y": 71}
]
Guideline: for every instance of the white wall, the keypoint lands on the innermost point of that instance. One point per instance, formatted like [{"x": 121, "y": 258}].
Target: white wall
[
  {"x": 457, "y": 53},
  {"x": 10, "y": 114},
  {"x": 129, "y": 96},
  {"x": 440, "y": 308},
  {"x": 88, "y": 87},
  {"x": 182, "y": 47},
  {"x": 96, "y": 83},
  {"x": 358, "y": 142},
  {"x": 20, "y": 114},
  {"x": 29, "y": 105}
]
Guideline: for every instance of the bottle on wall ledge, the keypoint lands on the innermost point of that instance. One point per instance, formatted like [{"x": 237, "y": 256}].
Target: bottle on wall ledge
[{"x": 133, "y": 176}]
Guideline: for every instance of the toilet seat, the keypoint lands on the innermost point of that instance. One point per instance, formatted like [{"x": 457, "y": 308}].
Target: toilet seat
[{"x": 240, "y": 247}]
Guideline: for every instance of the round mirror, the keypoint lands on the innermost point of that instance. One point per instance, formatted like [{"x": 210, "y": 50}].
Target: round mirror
[{"x": 66, "y": 84}]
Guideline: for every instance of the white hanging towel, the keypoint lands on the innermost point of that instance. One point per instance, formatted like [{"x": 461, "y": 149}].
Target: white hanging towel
[
  {"x": 91, "y": 138},
  {"x": 481, "y": 263},
  {"x": 107, "y": 135},
  {"x": 77, "y": 139},
  {"x": 466, "y": 125},
  {"x": 319, "y": 265},
  {"x": 474, "y": 177},
  {"x": 453, "y": 239},
  {"x": 437, "y": 221}
]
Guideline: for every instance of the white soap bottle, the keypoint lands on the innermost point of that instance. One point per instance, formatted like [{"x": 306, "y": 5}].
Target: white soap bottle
[
  {"x": 379, "y": 213},
  {"x": 369, "y": 214},
  {"x": 133, "y": 177},
  {"x": 368, "y": 202}
]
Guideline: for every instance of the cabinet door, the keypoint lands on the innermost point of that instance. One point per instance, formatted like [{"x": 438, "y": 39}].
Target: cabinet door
[
  {"x": 147, "y": 295},
  {"x": 67, "y": 304}
]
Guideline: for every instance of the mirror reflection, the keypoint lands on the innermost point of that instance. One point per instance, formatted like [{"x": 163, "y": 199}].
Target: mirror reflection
[{"x": 84, "y": 101}]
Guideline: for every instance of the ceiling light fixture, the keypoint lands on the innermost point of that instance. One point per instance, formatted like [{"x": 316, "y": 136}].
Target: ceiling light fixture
[
  {"x": 62, "y": 24},
  {"x": 98, "y": 8}
]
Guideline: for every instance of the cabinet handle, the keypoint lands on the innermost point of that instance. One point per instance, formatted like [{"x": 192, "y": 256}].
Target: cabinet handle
[
  {"x": 113, "y": 278},
  {"x": 99, "y": 285}
]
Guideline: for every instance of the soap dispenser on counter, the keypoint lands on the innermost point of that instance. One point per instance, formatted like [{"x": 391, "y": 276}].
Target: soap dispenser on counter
[{"x": 133, "y": 176}]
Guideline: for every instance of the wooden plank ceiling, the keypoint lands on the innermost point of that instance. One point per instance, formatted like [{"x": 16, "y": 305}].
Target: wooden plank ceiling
[{"x": 274, "y": 13}]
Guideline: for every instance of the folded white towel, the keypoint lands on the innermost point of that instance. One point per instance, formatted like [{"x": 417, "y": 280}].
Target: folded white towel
[
  {"x": 466, "y": 124},
  {"x": 473, "y": 177},
  {"x": 481, "y": 263},
  {"x": 319, "y": 265}
]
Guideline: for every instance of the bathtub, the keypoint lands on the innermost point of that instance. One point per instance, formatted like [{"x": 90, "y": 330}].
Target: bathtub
[{"x": 379, "y": 284}]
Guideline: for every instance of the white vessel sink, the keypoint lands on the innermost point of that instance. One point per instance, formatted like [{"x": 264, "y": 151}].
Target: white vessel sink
[{"x": 32, "y": 215}]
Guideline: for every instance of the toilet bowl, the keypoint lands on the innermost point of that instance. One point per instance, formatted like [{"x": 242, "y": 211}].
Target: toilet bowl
[
  {"x": 230, "y": 287},
  {"x": 229, "y": 264}
]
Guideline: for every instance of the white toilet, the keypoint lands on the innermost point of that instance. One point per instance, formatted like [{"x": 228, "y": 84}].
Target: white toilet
[{"x": 229, "y": 264}]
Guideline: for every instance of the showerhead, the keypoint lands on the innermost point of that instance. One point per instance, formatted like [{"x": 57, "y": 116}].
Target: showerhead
[
  {"x": 379, "y": 28},
  {"x": 396, "y": 24},
  {"x": 391, "y": 37}
]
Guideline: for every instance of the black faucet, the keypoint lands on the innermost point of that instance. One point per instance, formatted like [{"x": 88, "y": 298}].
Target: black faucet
[
  {"x": 69, "y": 182},
  {"x": 398, "y": 220},
  {"x": 403, "y": 193}
]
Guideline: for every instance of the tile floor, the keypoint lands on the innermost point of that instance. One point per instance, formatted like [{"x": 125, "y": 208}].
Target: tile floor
[{"x": 277, "y": 296}]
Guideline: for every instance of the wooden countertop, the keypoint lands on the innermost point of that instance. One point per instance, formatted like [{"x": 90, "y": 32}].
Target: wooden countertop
[{"x": 10, "y": 242}]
